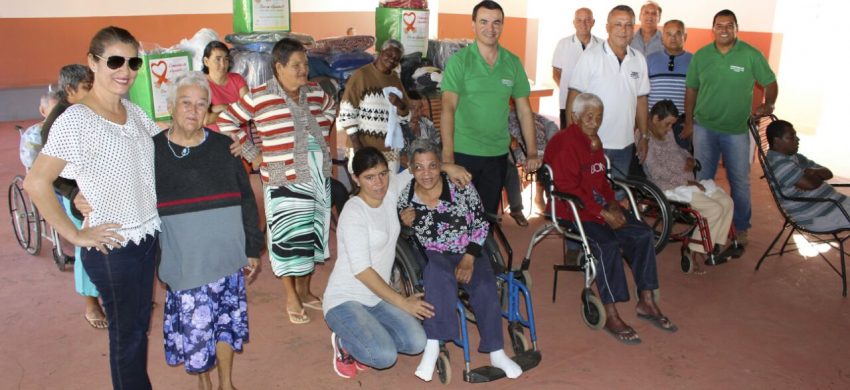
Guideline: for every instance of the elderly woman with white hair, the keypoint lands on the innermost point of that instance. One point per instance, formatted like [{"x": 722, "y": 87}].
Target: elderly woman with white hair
[
  {"x": 374, "y": 104},
  {"x": 209, "y": 236},
  {"x": 577, "y": 159}
]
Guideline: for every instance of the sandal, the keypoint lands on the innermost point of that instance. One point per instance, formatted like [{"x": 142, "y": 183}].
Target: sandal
[
  {"x": 519, "y": 218},
  {"x": 298, "y": 317},
  {"x": 626, "y": 336},
  {"x": 315, "y": 305},
  {"x": 660, "y": 322},
  {"x": 97, "y": 323}
]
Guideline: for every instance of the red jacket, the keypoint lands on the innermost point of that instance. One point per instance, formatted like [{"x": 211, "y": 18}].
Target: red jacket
[{"x": 578, "y": 171}]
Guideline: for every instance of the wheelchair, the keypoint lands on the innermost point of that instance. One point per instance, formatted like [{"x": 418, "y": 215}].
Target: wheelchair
[
  {"x": 28, "y": 224},
  {"x": 637, "y": 190},
  {"x": 406, "y": 278}
]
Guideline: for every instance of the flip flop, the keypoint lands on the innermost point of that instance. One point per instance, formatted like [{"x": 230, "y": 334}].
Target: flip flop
[
  {"x": 315, "y": 305},
  {"x": 660, "y": 322},
  {"x": 626, "y": 336},
  {"x": 97, "y": 323},
  {"x": 298, "y": 318}
]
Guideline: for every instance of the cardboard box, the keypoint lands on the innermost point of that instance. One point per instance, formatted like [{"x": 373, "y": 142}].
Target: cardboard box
[
  {"x": 261, "y": 15},
  {"x": 150, "y": 90},
  {"x": 408, "y": 26}
]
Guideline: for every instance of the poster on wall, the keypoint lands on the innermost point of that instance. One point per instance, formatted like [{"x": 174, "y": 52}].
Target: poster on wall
[
  {"x": 408, "y": 26},
  {"x": 260, "y": 15},
  {"x": 150, "y": 90}
]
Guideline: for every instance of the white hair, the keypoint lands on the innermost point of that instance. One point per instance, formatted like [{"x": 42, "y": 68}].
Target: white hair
[
  {"x": 393, "y": 43},
  {"x": 585, "y": 100},
  {"x": 192, "y": 78}
]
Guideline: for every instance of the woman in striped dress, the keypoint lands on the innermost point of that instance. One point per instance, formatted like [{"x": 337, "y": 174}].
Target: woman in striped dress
[{"x": 293, "y": 118}]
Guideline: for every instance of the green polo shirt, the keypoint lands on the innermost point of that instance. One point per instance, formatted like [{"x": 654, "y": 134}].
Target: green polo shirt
[
  {"x": 725, "y": 83},
  {"x": 484, "y": 92}
]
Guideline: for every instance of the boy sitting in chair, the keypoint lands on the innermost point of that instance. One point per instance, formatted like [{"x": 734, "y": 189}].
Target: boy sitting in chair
[
  {"x": 578, "y": 165},
  {"x": 801, "y": 177}
]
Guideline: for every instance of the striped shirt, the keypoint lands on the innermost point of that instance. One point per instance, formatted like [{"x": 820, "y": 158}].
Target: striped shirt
[
  {"x": 665, "y": 83},
  {"x": 788, "y": 171},
  {"x": 267, "y": 106}
]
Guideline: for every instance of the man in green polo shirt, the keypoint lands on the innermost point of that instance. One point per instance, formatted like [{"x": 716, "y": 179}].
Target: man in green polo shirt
[
  {"x": 718, "y": 103},
  {"x": 478, "y": 84}
]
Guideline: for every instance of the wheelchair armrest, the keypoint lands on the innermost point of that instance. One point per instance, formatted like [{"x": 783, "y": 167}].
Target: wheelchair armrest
[
  {"x": 407, "y": 231},
  {"x": 568, "y": 198}
]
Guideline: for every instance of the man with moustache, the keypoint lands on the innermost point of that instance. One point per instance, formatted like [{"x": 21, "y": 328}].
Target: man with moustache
[
  {"x": 667, "y": 70},
  {"x": 478, "y": 83},
  {"x": 617, "y": 74},
  {"x": 718, "y": 103}
]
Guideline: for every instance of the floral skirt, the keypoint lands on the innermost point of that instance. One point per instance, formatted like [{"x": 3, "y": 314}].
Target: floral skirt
[{"x": 198, "y": 318}]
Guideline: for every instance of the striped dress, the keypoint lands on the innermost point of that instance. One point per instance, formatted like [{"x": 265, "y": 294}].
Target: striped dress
[{"x": 295, "y": 170}]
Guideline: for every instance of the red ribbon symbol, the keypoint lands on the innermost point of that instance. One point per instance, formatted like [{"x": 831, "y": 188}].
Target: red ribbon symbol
[
  {"x": 409, "y": 25},
  {"x": 161, "y": 78}
]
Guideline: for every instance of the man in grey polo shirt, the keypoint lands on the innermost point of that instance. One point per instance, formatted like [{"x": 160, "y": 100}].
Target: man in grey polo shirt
[{"x": 647, "y": 38}]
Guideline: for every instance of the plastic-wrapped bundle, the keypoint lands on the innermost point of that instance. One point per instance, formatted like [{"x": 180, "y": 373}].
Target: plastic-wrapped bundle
[
  {"x": 415, "y": 4},
  {"x": 439, "y": 50},
  {"x": 196, "y": 45},
  {"x": 255, "y": 67},
  {"x": 345, "y": 43},
  {"x": 269, "y": 36},
  {"x": 346, "y": 60},
  {"x": 427, "y": 80},
  {"x": 409, "y": 63},
  {"x": 30, "y": 144}
]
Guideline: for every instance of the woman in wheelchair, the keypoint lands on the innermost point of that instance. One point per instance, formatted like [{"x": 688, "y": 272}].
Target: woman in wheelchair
[
  {"x": 671, "y": 168},
  {"x": 801, "y": 177},
  {"x": 449, "y": 224},
  {"x": 578, "y": 165}
]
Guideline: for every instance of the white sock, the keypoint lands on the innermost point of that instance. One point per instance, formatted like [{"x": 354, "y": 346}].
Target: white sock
[
  {"x": 425, "y": 370},
  {"x": 500, "y": 360}
]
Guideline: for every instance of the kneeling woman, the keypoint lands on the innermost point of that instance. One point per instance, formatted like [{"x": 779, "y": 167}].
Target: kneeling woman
[
  {"x": 449, "y": 222},
  {"x": 209, "y": 229}
]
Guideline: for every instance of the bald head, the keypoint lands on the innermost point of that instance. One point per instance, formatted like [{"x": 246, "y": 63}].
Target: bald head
[{"x": 583, "y": 22}]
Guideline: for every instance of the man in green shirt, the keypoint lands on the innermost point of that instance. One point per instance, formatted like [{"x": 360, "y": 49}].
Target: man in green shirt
[
  {"x": 719, "y": 97},
  {"x": 478, "y": 83}
]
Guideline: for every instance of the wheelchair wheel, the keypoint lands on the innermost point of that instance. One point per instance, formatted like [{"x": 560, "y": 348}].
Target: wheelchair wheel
[
  {"x": 655, "y": 211},
  {"x": 26, "y": 221},
  {"x": 59, "y": 257},
  {"x": 444, "y": 368},
  {"x": 519, "y": 342},
  {"x": 592, "y": 311},
  {"x": 405, "y": 271},
  {"x": 497, "y": 261},
  {"x": 687, "y": 261}
]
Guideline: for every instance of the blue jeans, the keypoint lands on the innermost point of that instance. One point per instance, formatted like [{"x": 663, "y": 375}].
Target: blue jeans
[
  {"x": 709, "y": 145},
  {"x": 124, "y": 278},
  {"x": 375, "y": 335},
  {"x": 635, "y": 242},
  {"x": 621, "y": 161}
]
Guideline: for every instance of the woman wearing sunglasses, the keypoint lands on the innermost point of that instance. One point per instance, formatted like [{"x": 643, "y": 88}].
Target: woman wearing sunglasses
[{"x": 104, "y": 143}]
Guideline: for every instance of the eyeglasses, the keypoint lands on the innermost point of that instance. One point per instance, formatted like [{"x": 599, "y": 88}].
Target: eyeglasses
[
  {"x": 671, "y": 64},
  {"x": 115, "y": 62}
]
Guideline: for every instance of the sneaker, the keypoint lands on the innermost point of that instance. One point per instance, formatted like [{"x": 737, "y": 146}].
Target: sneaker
[
  {"x": 344, "y": 364},
  {"x": 360, "y": 366}
]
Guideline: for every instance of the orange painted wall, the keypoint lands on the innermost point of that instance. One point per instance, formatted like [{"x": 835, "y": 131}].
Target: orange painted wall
[{"x": 35, "y": 48}]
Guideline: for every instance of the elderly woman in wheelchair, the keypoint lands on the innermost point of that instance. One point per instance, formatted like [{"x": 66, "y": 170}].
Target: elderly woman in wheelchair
[
  {"x": 449, "y": 223},
  {"x": 577, "y": 161},
  {"x": 671, "y": 168}
]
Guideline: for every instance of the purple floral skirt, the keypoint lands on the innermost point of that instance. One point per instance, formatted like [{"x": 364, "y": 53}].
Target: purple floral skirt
[{"x": 198, "y": 318}]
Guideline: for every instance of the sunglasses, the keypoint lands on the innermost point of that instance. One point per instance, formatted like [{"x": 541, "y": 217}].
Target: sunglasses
[
  {"x": 671, "y": 64},
  {"x": 115, "y": 62}
]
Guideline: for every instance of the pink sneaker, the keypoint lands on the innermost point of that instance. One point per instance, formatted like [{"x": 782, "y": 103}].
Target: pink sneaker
[
  {"x": 360, "y": 366},
  {"x": 344, "y": 364}
]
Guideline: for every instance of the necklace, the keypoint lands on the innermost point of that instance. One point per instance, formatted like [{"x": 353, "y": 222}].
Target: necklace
[{"x": 186, "y": 149}]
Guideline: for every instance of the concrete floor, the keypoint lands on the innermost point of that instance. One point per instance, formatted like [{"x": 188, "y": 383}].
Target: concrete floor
[{"x": 782, "y": 327}]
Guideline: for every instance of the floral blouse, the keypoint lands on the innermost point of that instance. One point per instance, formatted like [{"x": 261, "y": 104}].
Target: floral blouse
[{"x": 456, "y": 225}]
